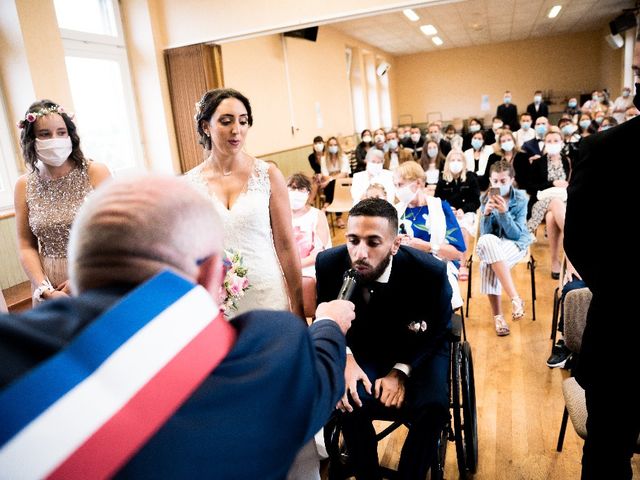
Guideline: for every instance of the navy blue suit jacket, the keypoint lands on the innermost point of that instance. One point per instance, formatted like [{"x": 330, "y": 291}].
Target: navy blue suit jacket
[
  {"x": 248, "y": 419},
  {"x": 418, "y": 289},
  {"x": 612, "y": 328}
]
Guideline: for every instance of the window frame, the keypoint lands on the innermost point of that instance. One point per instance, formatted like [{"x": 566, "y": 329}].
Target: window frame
[{"x": 8, "y": 168}]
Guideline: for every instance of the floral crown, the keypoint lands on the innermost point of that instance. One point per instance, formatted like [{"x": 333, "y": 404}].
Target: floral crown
[{"x": 33, "y": 116}]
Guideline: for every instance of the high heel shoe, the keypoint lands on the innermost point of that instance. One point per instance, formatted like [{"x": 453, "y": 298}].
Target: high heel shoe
[
  {"x": 502, "y": 329},
  {"x": 517, "y": 308}
]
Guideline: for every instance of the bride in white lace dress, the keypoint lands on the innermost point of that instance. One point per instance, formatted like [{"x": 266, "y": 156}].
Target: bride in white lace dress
[{"x": 251, "y": 198}]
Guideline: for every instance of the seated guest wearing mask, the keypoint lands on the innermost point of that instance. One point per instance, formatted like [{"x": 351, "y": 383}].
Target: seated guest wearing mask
[
  {"x": 607, "y": 123},
  {"x": 503, "y": 241},
  {"x": 145, "y": 326},
  {"x": 415, "y": 142},
  {"x": 428, "y": 223},
  {"x": 490, "y": 136},
  {"x": 398, "y": 358},
  {"x": 434, "y": 133},
  {"x": 310, "y": 226},
  {"x": 432, "y": 160},
  {"x": 621, "y": 105},
  {"x": 362, "y": 149},
  {"x": 631, "y": 113},
  {"x": 548, "y": 182},
  {"x": 570, "y": 136},
  {"x": 508, "y": 112},
  {"x": 375, "y": 190},
  {"x": 533, "y": 148},
  {"x": 334, "y": 164},
  {"x": 525, "y": 133},
  {"x": 453, "y": 138},
  {"x": 478, "y": 155},
  {"x": 374, "y": 173},
  {"x": 475, "y": 126},
  {"x": 538, "y": 108},
  {"x": 395, "y": 154},
  {"x": 459, "y": 188},
  {"x": 586, "y": 125},
  {"x": 573, "y": 110},
  {"x": 505, "y": 149}
]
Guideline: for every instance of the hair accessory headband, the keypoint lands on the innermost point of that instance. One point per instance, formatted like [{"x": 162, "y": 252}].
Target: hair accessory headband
[{"x": 33, "y": 116}]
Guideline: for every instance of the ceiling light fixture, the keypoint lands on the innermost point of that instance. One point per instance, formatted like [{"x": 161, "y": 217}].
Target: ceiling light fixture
[
  {"x": 428, "y": 29},
  {"x": 437, "y": 40},
  {"x": 555, "y": 10},
  {"x": 411, "y": 15}
]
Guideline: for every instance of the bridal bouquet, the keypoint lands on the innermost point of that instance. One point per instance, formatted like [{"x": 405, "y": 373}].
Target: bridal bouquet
[{"x": 235, "y": 283}]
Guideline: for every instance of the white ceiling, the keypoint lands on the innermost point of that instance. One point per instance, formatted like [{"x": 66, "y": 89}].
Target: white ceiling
[{"x": 477, "y": 22}]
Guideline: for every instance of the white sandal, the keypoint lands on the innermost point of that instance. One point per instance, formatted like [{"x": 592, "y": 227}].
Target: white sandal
[
  {"x": 517, "y": 308},
  {"x": 502, "y": 329}
]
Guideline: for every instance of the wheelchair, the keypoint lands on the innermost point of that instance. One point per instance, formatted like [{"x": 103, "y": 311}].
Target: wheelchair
[{"x": 461, "y": 428}]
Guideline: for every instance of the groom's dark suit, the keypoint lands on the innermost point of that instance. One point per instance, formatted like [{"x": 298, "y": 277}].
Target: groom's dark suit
[
  {"x": 609, "y": 362},
  {"x": 380, "y": 336}
]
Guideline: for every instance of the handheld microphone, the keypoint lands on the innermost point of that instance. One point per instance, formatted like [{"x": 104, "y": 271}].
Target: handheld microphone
[{"x": 349, "y": 281}]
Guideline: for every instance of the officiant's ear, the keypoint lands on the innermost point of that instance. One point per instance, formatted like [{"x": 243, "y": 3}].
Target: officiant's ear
[{"x": 211, "y": 275}]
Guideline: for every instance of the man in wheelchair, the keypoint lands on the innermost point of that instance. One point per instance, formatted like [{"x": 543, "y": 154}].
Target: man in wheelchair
[{"x": 398, "y": 347}]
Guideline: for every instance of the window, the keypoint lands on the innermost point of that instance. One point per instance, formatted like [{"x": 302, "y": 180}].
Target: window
[
  {"x": 358, "y": 101},
  {"x": 372, "y": 90},
  {"x": 8, "y": 171},
  {"x": 100, "y": 82},
  {"x": 384, "y": 99}
]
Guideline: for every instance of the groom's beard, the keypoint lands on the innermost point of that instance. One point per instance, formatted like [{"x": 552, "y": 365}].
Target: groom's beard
[
  {"x": 376, "y": 272},
  {"x": 636, "y": 98}
]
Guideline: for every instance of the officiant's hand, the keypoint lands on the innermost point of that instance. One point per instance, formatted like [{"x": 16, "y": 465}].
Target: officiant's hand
[
  {"x": 340, "y": 311},
  {"x": 352, "y": 375}
]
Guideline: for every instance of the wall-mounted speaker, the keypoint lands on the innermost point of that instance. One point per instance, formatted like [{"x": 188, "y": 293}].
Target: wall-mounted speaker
[
  {"x": 622, "y": 22},
  {"x": 310, "y": 33},
  {"x": 614, "y": 41}
]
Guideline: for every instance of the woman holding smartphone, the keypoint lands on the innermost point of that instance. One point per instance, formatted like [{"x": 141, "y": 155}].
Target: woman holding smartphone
[{"x": 503, "y": 241}]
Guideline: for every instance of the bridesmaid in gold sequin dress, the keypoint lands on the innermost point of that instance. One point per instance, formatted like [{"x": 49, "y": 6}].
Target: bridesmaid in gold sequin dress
[{"x": 48, "y": 197}]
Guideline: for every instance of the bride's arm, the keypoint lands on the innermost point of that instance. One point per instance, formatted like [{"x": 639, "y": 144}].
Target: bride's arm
[{"x": 283, "y": 239}]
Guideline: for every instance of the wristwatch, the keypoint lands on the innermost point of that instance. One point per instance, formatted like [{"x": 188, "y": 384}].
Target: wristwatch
[
  {"x": 435, "y": 248},
  {"x": 45, "y": 286}
]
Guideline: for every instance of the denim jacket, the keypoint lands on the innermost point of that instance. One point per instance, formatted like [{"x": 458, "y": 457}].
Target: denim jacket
[{"x": 512, "y": 224}]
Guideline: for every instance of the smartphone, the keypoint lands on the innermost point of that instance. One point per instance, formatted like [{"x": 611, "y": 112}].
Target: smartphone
[{"x": 494, "y": 191}]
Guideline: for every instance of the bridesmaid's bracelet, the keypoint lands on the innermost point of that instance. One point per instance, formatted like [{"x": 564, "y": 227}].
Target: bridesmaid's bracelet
[{"x": 45, "y": 286}]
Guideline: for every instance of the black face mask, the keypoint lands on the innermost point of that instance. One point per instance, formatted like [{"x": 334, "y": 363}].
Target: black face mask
[{"x": 636, "y": 98}]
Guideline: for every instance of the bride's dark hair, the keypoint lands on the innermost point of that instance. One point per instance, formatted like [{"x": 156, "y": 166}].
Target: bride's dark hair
[{"x": 208, "y": 104}]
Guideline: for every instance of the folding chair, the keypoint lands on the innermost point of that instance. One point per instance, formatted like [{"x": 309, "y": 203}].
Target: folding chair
[
  {"x": 342, "y": 201},
  {"x": 557, "y": 294}
]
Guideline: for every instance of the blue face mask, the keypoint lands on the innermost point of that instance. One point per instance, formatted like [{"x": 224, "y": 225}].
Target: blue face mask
[
  {"x": 393, "y": 144},
  {"x": 599, "y": 120},
  {"x": 474, "y": 128},
  {"x": 572, "y": 104},
  {"x": 504, "y": 190},
  {"x": 525, "y": 125},
  {"x": 507, "y": 100},
  {"x": 476, "y": 143},
  {"x": 585, "y": 123},
  {"x": 541, "y": 130},
  {"x": 568, "y": 129}
]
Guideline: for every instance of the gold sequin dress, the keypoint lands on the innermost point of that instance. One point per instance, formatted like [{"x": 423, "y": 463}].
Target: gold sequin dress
[{"x": 53, "y": 204}]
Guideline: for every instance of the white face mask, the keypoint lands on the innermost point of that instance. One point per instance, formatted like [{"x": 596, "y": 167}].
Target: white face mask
[
  {"x": 474, "y": 128},
  {"x": 393, "y": 144},
  {"x": 537, "y": 99},
  {"x": 366, "y": 139},
  {"x": 497, "y": 126},
  {"x": 433, "y": 176},
  {"x": 318, "y": 147},
  {"x": 406, "y": 135},
  {"x": 507, "y": 146},
  {"x": 333, "y": 149},
  {"x": 406, "y": 194},
  {"x": 415, "y": 137},
  {"x": 432, "y": 152},
  {"x": 374, "y": 168},
  {"x": 53, "y": 151},
  {"x": 455, "y": 167},
  {"x": 379, "y": 138},
  {"x": 553, "y": 148},
  {"x": 298, "y": 199}
]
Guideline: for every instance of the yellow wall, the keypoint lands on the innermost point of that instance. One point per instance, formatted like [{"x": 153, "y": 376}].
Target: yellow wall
[
  {"x": 318, "y": 74},
  {"x": 453, "y": 81}
]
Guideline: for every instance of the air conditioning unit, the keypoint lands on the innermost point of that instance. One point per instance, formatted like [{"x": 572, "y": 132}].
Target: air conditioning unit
[{"x": 615, "y": 41}]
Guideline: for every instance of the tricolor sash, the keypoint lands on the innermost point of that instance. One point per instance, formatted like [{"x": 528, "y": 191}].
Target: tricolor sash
[{"x": 87, "y": 410}]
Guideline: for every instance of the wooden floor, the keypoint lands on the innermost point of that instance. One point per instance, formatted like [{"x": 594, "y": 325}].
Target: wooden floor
[{"x": 519, "y": 399}]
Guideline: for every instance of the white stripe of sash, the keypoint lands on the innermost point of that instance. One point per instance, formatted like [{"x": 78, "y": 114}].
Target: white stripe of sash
[{"x": 61, "y": 429}]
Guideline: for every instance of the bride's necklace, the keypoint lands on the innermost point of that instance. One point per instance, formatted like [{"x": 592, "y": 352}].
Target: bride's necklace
[{"x": 219, "y": 167}]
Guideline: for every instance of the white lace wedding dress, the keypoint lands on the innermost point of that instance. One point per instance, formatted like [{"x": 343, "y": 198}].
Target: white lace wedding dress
[{"x": 247, "y": 229}]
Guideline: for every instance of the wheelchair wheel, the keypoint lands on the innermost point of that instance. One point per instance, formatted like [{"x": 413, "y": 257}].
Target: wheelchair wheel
[
  {"x": 470, "y": 427},
  {"x": 464, "y": 408},
  {"x": 436, "y": 472}
]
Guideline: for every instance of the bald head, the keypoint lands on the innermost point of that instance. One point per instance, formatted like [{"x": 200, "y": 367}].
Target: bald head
[{"x": 130, "y": 229}]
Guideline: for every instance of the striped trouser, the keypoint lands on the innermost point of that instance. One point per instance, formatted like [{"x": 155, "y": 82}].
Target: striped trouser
[{"x": 492, "y": 249}]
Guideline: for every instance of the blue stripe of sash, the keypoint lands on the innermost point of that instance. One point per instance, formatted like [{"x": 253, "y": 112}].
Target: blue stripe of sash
[{"x": 28, "y": 397}]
